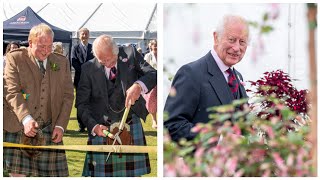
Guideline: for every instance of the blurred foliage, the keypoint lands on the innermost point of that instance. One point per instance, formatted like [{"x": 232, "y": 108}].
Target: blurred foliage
[{"x": 244, "y": 139}]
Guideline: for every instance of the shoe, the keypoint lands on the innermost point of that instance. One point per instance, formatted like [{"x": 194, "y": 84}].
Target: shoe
[{"x": 81, "y": 130}]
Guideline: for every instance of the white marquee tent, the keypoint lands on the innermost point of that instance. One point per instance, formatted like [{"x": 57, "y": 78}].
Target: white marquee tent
[{"x": 128, "y": 23}]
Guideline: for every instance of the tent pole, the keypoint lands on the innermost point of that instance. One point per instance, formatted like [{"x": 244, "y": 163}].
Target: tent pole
[
  {"x": 85, "y": 22},
  {"x": 43, "y": 7},
  {"x": 154, "y": 10}
]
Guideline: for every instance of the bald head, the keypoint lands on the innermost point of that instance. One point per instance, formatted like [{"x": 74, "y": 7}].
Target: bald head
[{"x": 105, "y": 50}]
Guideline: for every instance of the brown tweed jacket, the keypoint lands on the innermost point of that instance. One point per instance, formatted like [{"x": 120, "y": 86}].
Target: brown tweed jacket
[{"x": 22, "y": 74}]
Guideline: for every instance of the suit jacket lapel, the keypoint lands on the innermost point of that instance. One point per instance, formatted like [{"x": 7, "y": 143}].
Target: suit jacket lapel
[
  {"x": 34, "y": 68},
  {"x": 101, "y": 78},
  {"x": 218, "y": 81},
  {"x": 81, "y": 53},
  {"x": 242, "y": 91},
  {"x": 52, "y": 77}
]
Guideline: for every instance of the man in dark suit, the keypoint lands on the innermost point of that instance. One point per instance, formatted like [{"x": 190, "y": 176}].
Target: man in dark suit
[
  {"x": 210, "y": 81},
  {"x": 81, "y": 53},
  {"x": 113, "y": 80}
]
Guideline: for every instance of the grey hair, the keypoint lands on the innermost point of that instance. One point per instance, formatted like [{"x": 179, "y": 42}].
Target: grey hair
[
  {"x": 229, "y": 19},
  {"x": 57, "y": 47},
  {"x": 103, "y": 42},
  {"x": 83, "y": 29}
]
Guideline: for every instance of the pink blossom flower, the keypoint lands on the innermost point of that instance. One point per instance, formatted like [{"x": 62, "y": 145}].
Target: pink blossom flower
[
  {"x": 266, "y": 173},
  {"x": 290, "y": 160},
  {"x": 231, "y": 165},
  {"x": 236, "y": 129},
  {"x": 197, "y": 128},
  {"x": 239, "y": 173},
  {"x": 270, "y": 132},
  {"x": 169, "y": 170},
  {"x": 279, "y": 161},
  {"x": 275, "y": 11},
  {"x": 258, "y": 154},
  {"x": 216, "y": 171},
  {"x": 184, "y": 169}
]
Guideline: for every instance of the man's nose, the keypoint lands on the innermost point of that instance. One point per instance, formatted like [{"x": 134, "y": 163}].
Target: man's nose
[{"x": 236, "y": 46}]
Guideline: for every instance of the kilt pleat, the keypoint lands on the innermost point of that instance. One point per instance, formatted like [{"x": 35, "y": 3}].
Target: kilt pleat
[
  {"x": 129, "y": 165},
  {"x": 50, "y": 163}
]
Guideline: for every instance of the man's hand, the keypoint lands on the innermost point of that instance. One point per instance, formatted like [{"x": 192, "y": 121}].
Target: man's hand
[
  {"x": 31, "y": 128},
  {"x": 98, "y": 130},
  {"x": 57, "y": 135},
  {"x": 133, "y": 94}
]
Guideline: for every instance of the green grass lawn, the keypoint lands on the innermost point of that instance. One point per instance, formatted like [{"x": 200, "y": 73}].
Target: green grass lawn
[{"x": 76, "y": 158}]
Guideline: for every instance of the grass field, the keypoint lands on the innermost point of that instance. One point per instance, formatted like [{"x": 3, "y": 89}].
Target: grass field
[{"x": 76, "y": 158}]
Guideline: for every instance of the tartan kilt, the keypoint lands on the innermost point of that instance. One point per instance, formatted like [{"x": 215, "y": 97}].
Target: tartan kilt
[
  {"x": 50, "y": 163},
  {"x": 129, "y": 165}
]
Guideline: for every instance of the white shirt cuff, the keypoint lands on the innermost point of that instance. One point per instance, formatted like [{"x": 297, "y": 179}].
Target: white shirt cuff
[
  {"x": 143, "y": 86},
  {"x": 26, "y": 119},
  {"x": 60, "y": 128},
  {"x": 92, "y": 132}
]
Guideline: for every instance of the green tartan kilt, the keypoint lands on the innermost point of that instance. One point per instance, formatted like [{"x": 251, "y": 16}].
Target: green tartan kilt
[{"x": 50, "y": 163}]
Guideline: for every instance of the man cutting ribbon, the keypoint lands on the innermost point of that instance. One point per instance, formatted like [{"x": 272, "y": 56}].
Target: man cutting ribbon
[{"x": 101, "y": 103}]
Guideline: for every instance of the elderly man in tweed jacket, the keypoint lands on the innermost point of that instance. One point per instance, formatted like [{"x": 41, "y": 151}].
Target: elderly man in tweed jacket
[{"x": 38, "y": 96}]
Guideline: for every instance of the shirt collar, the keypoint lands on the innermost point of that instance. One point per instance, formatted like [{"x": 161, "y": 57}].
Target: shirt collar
[
  {"x": 83, "y": 44},
  {"x": 219, "y": 62},
  {"x": 44, "y": 62},
  {"x": 105, "y": 67},
  {"x": 107, "y": 70}
]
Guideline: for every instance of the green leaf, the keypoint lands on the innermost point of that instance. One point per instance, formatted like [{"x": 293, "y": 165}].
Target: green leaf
[
  {"x": 186, "y": 151},
  {"x": 266, "y": 29},
  {"x": 295, "y": 138},
  {"x": 287, "y": 114},
  {"x": 265, "y": 17},
  {"x": 253, "y": 24},
  {"x": 165, "y": 116},
  {"x": 219, "y": 117},
  {"x": 239, "y": 102}
]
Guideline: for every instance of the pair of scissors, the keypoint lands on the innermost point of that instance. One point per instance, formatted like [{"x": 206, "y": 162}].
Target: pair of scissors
[{"x": 121, "y": 126}]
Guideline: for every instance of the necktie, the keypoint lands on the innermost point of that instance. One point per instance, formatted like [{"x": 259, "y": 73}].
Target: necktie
[
  {"x": 113, "y": 74},
  {"x": 232, "y": 82},
  {"x": 42, "y": 69},
  {"x": 84, "y": 53}
]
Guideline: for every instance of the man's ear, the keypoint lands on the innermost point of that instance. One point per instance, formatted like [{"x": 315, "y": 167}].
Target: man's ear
[
  {"x": 30, "y": 43},
  {"x": 215, "y": 37}
]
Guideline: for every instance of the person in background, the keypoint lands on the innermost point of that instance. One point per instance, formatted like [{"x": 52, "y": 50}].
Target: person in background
[
  {"x": 140, "y": 51},
  {"x": 57, "y": 47},
  {"x": 38, "y": 98},
  {"x": 80, "y": 54},
  {"x": 151, "y": 98},
  {"x": 11, "y": 46},
  {"x": 210, "y": 81}
]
